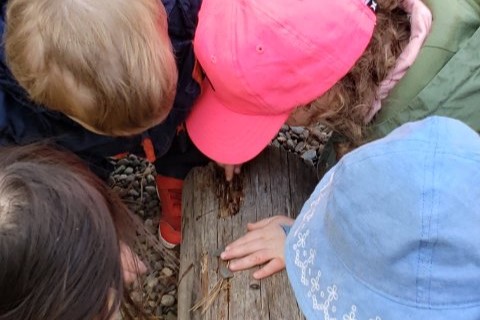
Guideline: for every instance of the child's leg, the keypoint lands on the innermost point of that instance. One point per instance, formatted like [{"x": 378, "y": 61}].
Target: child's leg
[{"x": 172, "y": 168}]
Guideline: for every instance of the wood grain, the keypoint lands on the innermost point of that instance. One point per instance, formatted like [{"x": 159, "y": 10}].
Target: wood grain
[{"x": 274, "y": 183}]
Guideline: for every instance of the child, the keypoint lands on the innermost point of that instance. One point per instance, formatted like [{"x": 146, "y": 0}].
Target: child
[
  {"x": 93, "y": 75},
  {"x": 358, "y": 66},
  {"x": 61, "y": 235},
  {"x": 390, "y": 232}
]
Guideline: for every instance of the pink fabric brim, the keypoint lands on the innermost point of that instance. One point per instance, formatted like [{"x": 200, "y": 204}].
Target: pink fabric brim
[{"x": 228, "y": 137}]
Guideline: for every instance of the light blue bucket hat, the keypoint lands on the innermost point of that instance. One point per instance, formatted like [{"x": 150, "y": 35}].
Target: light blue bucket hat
[{"x": 393, "y": 230}]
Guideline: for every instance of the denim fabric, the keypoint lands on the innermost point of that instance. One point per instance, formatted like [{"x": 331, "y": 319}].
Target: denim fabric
[{"x": 391, "y": 231}]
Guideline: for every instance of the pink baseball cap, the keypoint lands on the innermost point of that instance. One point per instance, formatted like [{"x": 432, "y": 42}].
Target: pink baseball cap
[{"x": 262, "y": 59}]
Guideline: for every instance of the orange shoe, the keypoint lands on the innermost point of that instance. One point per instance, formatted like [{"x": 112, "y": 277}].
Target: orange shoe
[{"x": 170, "y": 193}]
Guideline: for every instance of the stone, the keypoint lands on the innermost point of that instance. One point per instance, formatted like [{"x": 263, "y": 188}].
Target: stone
[
  {"x": 167, "y": 300},
  {"x": 290, "y": 144},
  {"x": 309, "y": 155},
  {"x": 152, "y": 282},
  {"x": 297, "y": 130},
  {"x": 300, "y": 146},
  {"x": 133, "y": 193},
  {"x": 151, "y": 189},
  {"x": 167, "y": 272}
]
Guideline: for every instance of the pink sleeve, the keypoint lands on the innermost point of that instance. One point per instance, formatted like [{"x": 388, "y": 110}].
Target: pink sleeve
[{"x": 421, "y": 22}]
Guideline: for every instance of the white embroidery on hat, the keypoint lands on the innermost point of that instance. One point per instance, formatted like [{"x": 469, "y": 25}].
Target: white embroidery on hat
[{"x": 322, "y": 300}]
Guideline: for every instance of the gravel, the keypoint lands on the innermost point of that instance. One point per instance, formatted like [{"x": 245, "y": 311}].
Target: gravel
[{"x": 134, "y": 180}]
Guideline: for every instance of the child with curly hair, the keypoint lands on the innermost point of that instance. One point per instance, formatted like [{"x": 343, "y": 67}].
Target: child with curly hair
[{"x": 362, "y": 67}]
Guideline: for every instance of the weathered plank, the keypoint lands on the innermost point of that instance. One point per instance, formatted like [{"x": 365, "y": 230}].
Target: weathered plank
[{"x": 276, "y": 182}]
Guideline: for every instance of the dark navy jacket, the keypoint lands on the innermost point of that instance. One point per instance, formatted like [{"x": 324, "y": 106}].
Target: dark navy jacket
[{"x": 23, "y": 122}]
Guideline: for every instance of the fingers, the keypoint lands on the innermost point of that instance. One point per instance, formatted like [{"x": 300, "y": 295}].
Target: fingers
[
  {"x": 231, "y": 249},
  {"x": 230, "y": 170},
  {"x": 279, "y": 220},
  {"x": 255, "y": 259},
  {"x": 129, "y": 277},
  {"x": 141, "y": 268},
  {"x": 263, "y": 243},
  {"x": 266, "y": 233},
  {"x": 237, "y": 169},
  {"x": 132, "y": 265},
  {"x": 244, "y": 249},
  {"x": 259, "y": 224},
  {"x": 274, "y": 266}
]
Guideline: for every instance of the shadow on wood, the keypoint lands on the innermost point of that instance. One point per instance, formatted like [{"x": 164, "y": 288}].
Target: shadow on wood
[{"x": 274, "y": 183}]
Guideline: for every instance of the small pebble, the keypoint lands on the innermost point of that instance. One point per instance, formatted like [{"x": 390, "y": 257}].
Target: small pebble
[
  {"x": 300, "y": 147},
  {"x": 218, "y": 251},
  {"x": 225, "y": 273},
  {"x": 136, "y": 296},
  {"x": 123, "y": 162},
  {"x": 151, "y": 189},
  {"x": 306, "y": 134},
  {"x": 167, "y": 300},
  {"x": 290, "y": 144},
  {"x": 254, "y": 285},
  {"x": 133, "y": 193},
  {"x": 167, "y": 272},
  {"x": 309, "y": 155},
  {"x": 297, "y": 130},
  {"x": 119, "y": 169},
  {"x": 152, "y": 282}
]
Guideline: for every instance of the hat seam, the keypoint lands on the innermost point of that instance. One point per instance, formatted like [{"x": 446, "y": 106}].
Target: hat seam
[{"x": 425, "y": 247}]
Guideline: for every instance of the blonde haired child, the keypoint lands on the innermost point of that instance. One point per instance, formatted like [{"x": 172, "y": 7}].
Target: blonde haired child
[
  {"x": 97, "y": 62},
  {"x": 103, "y": 78}
]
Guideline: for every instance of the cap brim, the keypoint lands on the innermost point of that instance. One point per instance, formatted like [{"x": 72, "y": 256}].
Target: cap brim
[
  {"x": 226, "y": 136},
  {"x": 324, "y": 286}
]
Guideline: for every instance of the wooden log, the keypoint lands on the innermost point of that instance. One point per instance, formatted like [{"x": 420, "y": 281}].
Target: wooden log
[{"x": 214, "y": 214}]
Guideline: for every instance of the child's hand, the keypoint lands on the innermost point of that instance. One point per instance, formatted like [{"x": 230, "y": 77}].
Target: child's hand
[
  {"x": 263, "y": 243},
  {"x": 131, "y": 264},
  {"x": 230, "y": 169}
]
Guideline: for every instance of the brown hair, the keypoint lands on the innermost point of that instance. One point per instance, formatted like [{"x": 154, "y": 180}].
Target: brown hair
[
  {"x": 345, "y": 105},
  {"x": 107, "y": 64},
  {"x": 60, "y": 228}
]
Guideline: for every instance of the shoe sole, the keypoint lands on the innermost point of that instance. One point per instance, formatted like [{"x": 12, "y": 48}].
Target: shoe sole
[{"x": 165, "y": 243}]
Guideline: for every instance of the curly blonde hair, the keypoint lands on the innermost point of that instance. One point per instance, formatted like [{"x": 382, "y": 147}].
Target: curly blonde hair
[
  {"x": 344, "y": 106},
  {"x": 108, "y": 65}
]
